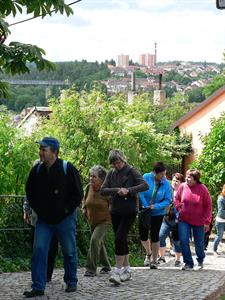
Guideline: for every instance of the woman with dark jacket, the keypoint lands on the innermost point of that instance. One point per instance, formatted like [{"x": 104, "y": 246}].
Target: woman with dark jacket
[{"x": 122, "y": 184}]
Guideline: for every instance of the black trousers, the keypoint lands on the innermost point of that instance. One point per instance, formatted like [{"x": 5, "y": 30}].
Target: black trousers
[
  {"x": 156, "y": 222},
  {"x": 121, "y": 227}
]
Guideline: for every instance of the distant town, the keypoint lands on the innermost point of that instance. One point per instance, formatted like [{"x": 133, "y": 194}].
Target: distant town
[{"x": 195, "y": 75}]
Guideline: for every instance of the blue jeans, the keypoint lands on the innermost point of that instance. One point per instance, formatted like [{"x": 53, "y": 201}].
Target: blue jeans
[
  {"x": 220, "y": 228},
  {"x": 65, "y": 231},
  {"x": 198, "y": 234},
  {"x": 164, "y": 232}
]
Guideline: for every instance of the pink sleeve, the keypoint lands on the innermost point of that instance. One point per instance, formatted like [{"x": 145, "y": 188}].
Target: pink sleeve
[
  {"x": 207, "y": 204},
  {"x": 177, "y": 200}
]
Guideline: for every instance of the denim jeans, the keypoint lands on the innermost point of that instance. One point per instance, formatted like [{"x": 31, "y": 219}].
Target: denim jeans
[
  {"x": 220, "y": 228},
  {"x": 65, "y": 231},
  {"x": 198, "y": 234},
  {"x": 164, "y": 232}
]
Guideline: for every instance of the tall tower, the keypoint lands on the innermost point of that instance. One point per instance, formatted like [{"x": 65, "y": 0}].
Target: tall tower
[{"x": 155, "y": 54}]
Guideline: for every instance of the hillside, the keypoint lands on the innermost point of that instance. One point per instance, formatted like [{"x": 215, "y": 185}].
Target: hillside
[{"x": 189, "y": 78}]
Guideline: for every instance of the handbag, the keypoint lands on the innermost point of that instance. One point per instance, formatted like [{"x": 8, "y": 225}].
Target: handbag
[
  {"x": 171, "y": 213},
  {"x": 145, "y": 214}
]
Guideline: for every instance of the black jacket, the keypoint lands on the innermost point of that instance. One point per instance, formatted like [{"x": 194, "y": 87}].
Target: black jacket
[
  {"x": 52, "y": 194},
  {"x": 129, "y": 178}
]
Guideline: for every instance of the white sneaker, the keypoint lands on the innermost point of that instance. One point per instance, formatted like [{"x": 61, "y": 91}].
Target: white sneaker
[
  {"x": 125, "y": 276},
  {"x": 115, "y": 278},
  {"x": 172, "y": 253},
  {"x": 147, "y": 260}
]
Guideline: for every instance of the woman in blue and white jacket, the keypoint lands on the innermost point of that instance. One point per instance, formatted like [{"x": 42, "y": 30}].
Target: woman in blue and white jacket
[
  {"x": 157, "y": 197},
  {"x": 220, "y": 220}
]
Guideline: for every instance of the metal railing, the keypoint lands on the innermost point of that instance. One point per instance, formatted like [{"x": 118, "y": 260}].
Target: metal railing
[
  {"x": 11, "y": 207},
  {"x": 11, "y": 220}
]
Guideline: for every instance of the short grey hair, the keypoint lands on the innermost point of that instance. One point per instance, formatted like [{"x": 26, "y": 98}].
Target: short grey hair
[
  {"x": 98, "y": 171},
  {"x": 115, "y": 155}
]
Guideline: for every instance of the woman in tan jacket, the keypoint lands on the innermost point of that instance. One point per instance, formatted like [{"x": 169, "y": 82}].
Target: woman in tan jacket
[{"x": 96, "y": 210}]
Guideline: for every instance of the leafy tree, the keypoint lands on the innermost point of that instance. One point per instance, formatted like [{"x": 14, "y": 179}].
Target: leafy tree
[
  {"x": 174, "y": 108},
  {"x": 180, "y": 79},
  {"x": 140, "y": 74},
  {"x": 110, "y": 62},
  {"x": 218, "y": 82},
  {"x": 90, "y": 124},
  {"x": 170, "y": 91},
  {"x": 16, "y": 155},
  {"x": 81, "y": 75},
  {"x": 211, "y": 161},
  {"x": 196, "y": 95},
  {"x": 25, "y": 96},
  {"x": 15, "y": 56}
]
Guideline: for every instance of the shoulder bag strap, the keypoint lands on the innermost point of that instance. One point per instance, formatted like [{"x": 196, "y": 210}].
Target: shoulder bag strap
[{"x": 154, "y": 194}]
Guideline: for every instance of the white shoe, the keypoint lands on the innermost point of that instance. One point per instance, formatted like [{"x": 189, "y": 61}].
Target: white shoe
[
  {"x": 125, "y": 276},
  {"x": 172, "y": 253},
  {"x": 147, "y": 260},
  {"x": 115, "y": 278}
]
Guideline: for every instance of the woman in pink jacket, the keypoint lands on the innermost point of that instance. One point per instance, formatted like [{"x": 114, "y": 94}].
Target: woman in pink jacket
[{"x": 194, "y": 205}]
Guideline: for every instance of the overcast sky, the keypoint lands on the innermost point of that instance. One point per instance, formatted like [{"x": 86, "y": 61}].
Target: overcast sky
[{"x": 189, "y": 30}]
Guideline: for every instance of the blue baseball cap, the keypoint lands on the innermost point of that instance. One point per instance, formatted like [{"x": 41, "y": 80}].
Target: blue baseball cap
[{"x": 49, "y": 142}]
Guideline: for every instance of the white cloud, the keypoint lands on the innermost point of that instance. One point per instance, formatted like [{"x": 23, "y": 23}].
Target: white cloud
[
  {"x": 153, "y": 4},
  {"x": 97, "y": 32}
]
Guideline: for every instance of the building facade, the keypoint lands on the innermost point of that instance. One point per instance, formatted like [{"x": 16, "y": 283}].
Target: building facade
[
  {"x": 123, "y": 60},
  {"x": 197, "y": 122},
  {"x": 147, "y": 60}
]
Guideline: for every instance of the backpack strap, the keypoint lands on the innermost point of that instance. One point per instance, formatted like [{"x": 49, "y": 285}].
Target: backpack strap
[
  {"x": 64, "y": 167},
  {"x": 38, "y": 167}
]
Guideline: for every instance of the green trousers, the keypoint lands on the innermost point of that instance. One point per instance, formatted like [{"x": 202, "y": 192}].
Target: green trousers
[{"x": 97, "y": 251}]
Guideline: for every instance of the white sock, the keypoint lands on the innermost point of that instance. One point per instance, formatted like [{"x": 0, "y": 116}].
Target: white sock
[{"x": 118, "y": 270}]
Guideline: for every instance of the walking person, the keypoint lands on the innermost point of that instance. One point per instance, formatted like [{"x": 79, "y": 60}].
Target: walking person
[
  {"x": 54, "y": 196},
  {"x": 194, "y": 205},
  {"x": 220, "y": 220},
  {"x": 169, "y": 225},
  {"x": 96, "y": 209},
  {"x": 122, "y": 184},
  {"x": 157, "y": 198}
]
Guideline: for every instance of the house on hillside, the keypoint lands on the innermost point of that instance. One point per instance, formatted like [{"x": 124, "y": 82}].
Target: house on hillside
[
  {"x": 197, "y": 122},
  {"x": 31, "y": 116}
]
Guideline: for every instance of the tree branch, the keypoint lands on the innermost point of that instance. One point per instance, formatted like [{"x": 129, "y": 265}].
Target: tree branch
[{"x": 34, "y": 17}]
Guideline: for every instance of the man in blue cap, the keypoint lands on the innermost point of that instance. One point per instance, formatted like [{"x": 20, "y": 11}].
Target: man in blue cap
[{"x": 54, "y": 191}]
